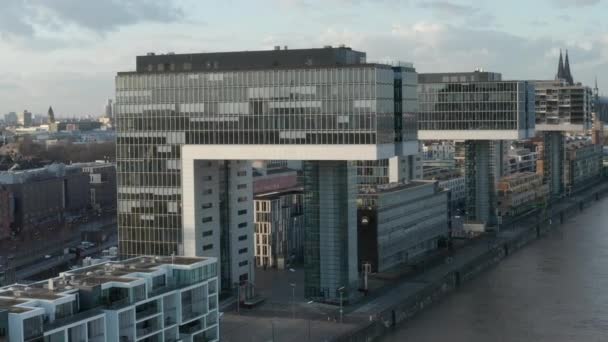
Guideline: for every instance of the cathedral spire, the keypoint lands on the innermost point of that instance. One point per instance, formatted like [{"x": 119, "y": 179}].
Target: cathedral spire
[
  {"x": 560, "y": 67},
  {"x": 51, "y": 115},
  {"x": 567, "y": 73}
]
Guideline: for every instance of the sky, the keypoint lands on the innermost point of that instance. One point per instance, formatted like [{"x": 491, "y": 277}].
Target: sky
[{"x": 65, "y": 53}]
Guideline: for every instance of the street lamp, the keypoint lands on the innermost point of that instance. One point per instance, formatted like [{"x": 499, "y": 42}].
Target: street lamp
[
  {"x": 341, "y": 291},
  {"x": 238, "y": 296},
  {"x": 293, "y": 300}
]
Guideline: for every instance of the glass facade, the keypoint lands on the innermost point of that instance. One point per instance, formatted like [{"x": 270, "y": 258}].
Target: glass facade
[
  {"x": 506, "y": 105},
  {"x": 157, "y": 113}
]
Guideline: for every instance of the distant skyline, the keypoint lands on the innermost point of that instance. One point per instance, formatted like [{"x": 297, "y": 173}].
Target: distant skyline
[{"x": 65, "y": 53}]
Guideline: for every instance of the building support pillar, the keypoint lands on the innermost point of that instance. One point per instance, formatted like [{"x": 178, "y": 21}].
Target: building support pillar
[
  {"x": 481, "y": 172},
  {"x": 553, "y": 162},
  {"x": 330, "y": 239}
]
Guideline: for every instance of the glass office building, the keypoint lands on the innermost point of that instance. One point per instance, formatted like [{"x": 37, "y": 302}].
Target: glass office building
[
  {"x": 189, "y": 125},
  {"x": 482, "y": 109},
  {"x": 474, "y": 106}
]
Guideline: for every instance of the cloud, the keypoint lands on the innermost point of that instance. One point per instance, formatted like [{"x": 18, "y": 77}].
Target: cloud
[
  {"x": 447, "y": 9},
  {"x": 575, "y": 3},
  {"x": 28, "y": 18}
]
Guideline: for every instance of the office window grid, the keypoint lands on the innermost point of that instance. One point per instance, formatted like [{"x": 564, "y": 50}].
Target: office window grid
[
  {"x": 157, "y": 113},
  {"x": 475, "y": 106}
]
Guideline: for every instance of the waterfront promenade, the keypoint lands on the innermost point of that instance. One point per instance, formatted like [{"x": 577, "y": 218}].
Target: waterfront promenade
[{"x": 392, "y": 304}]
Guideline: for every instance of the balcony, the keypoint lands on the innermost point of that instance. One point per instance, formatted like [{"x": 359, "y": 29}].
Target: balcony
[{"x": 191, "y": 328}]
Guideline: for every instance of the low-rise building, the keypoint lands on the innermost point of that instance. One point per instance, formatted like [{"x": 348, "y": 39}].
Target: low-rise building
[
  {"x": 141, "y": 299},
  {"x": 457, "y": 188},
  {"x": 521, "y": 160},
  {"x": 583, "y": 162},
  {"x": 400, "y": 222},
  {"x": 520, "y": 192},
  {"x": 43, "y": 197},
  {"x": 102, "y": 183},
  {"x": 279, "y": 228}
]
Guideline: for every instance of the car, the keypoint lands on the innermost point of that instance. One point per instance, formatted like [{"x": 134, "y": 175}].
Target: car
[{"x": 48, "y": 256}]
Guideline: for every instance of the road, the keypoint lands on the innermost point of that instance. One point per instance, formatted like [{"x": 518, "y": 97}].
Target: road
[{"x": 44, "y": 264}]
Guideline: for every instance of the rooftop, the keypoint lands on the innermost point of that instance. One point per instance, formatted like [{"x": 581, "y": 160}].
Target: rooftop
[
  {"x": 276, "y": 194},
  {"x": 246, "y": 60},
  {"x": 393, "y": 187},
  {"x": 84, "y": 278}
]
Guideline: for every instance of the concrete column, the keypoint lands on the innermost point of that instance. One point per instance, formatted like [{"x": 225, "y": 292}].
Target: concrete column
[
  {"x": 217, "y": 212},
  {"x": 331, "y": 228},
  {"x": 482, "y": 172},
  {"x": 553, "y": 162}
]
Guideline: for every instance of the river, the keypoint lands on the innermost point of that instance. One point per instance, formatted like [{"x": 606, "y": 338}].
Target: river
[{"x": 555, "y": 289}]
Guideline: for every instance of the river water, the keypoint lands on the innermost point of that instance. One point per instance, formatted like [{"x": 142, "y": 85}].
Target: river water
[{"x": 555, "y": 289}]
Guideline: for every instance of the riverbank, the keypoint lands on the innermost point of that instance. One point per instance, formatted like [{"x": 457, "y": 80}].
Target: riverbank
[{"x": 402, "y": 302}]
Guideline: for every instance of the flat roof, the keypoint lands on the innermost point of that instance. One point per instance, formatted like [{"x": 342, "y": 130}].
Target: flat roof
[
  {"x": 278, "y": 193},
  {"x": 244, "y": 60},
  {"x": 87, "y": 277},
  {"x": 393, "y": 187}
]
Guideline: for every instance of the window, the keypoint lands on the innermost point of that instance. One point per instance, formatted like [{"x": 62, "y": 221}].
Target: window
[
  {"x": 241, "y": 173},
  {"x": 241, "y": 186},
  {"x": 242, "y": 250},
  {"x": 207, "y": 178},
  {"x": 242, "y": 199},
  {"x": 207, "y": 233},
  {"x": 207, "y": 191},
  {"x": 207, "y": 205},
  {"x": 242, "y": 237},
  {"x": 207, "y": 219},
  {"x": 243, "y": 263},
  {"x": 242, "y": 224},
  {"x": 242, "y": 212},
  {"x": 207, "y": 247}
]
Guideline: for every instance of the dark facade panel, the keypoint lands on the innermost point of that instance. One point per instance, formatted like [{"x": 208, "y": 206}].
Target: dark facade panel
[{"x": 244, "y": 60}]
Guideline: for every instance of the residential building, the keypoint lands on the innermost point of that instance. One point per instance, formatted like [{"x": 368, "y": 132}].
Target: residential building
[
  {"x": 562, "y": 107},
  {"x": 140, "y": 299},
  {"x": 441, "y": 150},
  {"x": 521, "y": 159},
  {"x": 399, "y": 223},
  {"x": 24, "y": 118},
  {"x": 520, "y": 192},
  {"x": 485, "y": 112},
  {"x": 43, "y": 197},
  {"x": 189, "y": 125},
  {"x": 279, "y": 228},
  {"x": 583, "y": 162},
  {"x": 562, "y": 104}
]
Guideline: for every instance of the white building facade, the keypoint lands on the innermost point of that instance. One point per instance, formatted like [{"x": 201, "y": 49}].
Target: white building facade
[{"x": 141, "y": 299}]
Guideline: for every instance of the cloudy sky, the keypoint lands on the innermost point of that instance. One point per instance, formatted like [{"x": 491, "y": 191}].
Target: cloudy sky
[{"x": 65, "y": 53}]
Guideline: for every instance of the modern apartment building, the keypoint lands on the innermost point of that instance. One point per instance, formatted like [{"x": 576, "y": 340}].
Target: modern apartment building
[
  {"x": 520, "y": 192},
  {"x": 484, "y": 111},
  {"x": 188, "y": 126},
  {"x": 562, "y": 107},
  {"x": 279, "y": 228},
  {"x": 140, "y": 299},
  {"x": 399, "y": 222},
  {"x": 582, "y": 163},
  {"x": 521, "y": 160}
]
